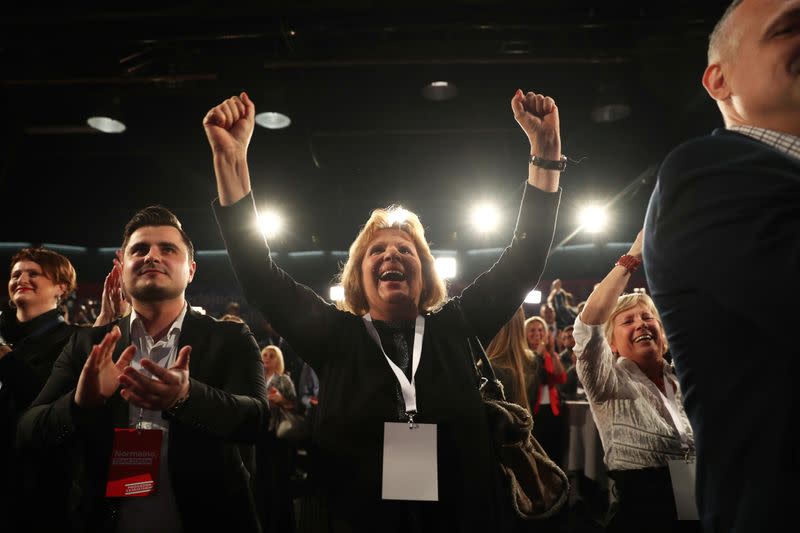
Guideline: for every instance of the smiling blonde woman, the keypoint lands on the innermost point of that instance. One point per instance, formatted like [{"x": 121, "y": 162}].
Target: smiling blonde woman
[
  {"x": 635, "y": 399},
  {"x": 397, "y": 351}
]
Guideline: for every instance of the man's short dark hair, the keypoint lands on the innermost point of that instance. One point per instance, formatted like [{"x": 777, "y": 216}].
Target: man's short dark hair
[
  {"x": 718, "y": 34},
  {"x": 156, "y": 215}
]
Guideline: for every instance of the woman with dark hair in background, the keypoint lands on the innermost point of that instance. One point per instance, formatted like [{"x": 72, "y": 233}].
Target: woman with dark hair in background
[
  {"x": 33, "y": 334},
  {"x": 35, "y": 331}
]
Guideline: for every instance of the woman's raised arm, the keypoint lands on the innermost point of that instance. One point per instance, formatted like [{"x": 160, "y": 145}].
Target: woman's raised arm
[
  {"x": 601, "y": 302},
  {"x": 229, "y": 127}
]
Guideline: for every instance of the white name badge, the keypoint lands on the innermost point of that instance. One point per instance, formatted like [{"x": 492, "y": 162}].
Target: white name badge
[
  {"x": 682, "y": 473},
  {"x": 409, "y": 462}
]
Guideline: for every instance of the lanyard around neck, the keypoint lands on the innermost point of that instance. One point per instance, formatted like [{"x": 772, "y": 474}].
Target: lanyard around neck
[
  {"x": 672, "y": 406},
  {"x": 407, "y": 388}
]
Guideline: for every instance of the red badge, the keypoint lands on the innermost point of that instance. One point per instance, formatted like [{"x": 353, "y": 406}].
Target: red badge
[{"x": 135, "y": 456}]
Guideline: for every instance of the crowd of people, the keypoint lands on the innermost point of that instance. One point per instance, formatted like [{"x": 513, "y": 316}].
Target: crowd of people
[{"x": 139, "y": 412}]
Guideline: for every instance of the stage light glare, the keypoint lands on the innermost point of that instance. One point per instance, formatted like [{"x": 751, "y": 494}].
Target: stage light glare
[
  {"x": 397, "y": 216},
  {"x": 593, "y": 218},
  {"x": 446, "y": 267},
  {"x": 485, "y": 218},
  {"x": 337, "y": 293},
  {"x": 271, "y": 223},
  {"x": 534, "y": 297}
]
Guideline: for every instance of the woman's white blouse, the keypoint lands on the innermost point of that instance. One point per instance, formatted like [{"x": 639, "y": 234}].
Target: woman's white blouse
[{"x": 635, "y": 425}]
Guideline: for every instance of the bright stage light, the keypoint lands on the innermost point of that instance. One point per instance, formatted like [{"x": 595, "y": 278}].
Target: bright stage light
[
  {"x": 593, "y": 218},
  {"x": 337, "y": 293},
  {"x": 271, "y": 223},
  {"x": 446, "y": 267},
  {"x": 485, "y": 218},
  {"x": 397, "y": 216},
  {"x": 534, "y": 297}
]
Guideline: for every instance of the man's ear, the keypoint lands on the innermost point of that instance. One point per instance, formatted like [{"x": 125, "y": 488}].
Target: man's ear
[
  {"x": 192, "y": 270},
  {"x": 715, "y": 82}
]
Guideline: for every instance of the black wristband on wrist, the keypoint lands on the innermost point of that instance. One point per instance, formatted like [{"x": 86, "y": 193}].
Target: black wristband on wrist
[{"x": 549, "y": 164}]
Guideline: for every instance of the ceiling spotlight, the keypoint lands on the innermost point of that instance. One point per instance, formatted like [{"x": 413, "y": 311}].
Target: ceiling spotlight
[
  {"x": 439, "y": 91},
  {"x": 516, "y": 47},
  {"x": 272, "y": 120},
  {"x": 485, "y": 218},
  {"x": 593, "y": 218},
  {"x": 107, "y": 115},
  {"x": 610, "y": 112},
  {"x": 106, "y": 124}
]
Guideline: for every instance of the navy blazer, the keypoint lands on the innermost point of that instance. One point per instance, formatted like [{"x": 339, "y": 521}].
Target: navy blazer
[
  {"x": 225, "y": 412},
  {"x": 722, "y": 259}
]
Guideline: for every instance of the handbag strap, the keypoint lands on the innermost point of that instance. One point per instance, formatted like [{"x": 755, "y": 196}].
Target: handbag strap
[{"x": 486, "y": 377}]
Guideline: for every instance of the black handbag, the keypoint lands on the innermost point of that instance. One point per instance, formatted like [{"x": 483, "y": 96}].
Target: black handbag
[
  {"x": 292, "y": 426},
  {"x": 538, "y": 487}
]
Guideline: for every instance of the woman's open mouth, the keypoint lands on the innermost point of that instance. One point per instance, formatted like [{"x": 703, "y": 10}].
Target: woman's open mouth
[{"x": 392, "y": 275}]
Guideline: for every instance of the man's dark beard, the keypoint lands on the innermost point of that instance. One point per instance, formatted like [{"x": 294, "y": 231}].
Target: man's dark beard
[{"x": 154, "y": 293}]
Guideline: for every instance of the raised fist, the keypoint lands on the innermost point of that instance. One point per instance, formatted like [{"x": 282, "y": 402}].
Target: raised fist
[
  {"x": 537, "y": 115},
  {"x": 229, "y": 126}
]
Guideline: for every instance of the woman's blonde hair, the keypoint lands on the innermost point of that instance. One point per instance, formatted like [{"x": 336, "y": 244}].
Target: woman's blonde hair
[
  {"x": 274, "y": 350},
  {"x": 629, "y": 301},
  {"x": 434, "y": 291},
  {"x": 509, "y": 349}
]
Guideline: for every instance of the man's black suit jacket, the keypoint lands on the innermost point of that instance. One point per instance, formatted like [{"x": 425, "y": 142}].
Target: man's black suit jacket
[
  {"x": 224, "y": 414},
  {"x": 722, "y": 258}
]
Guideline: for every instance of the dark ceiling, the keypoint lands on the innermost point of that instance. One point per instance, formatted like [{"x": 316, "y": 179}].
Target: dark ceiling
[{"x": 362, "y": 135}]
